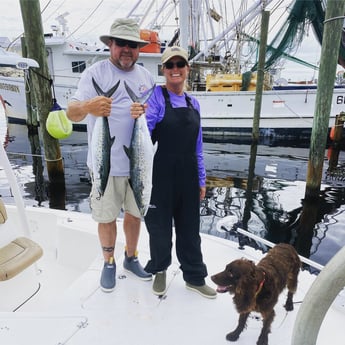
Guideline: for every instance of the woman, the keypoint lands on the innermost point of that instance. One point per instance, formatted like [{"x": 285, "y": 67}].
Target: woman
[{"x": 179, "y": 177}]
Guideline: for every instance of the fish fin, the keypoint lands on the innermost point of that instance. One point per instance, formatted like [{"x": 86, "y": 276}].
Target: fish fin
[
  {"x": 131, "y": 93},
  {"x": 110, "y": 92},
  {"x": 155, "y": 147},
  {"x": 127, "y": 151},
  {"x": 112, "y": 141},
  {"x": 130, "y": 183},
  {"x": 100, "y": 92},
  {"x": 143, "y": 99}
]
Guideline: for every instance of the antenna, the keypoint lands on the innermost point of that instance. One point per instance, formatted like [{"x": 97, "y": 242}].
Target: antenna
[{"x": 63, "y": 22}]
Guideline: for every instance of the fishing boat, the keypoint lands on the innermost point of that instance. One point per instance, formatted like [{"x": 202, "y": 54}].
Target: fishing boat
[{"x": 218, "y": 78}]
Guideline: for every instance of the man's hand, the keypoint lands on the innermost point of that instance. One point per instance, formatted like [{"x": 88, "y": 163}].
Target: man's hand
[{"x": 99, "y": 106}]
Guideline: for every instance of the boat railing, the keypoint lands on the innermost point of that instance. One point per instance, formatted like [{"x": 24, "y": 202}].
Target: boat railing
[
  {"x": 271, "y": 244},
  {"x": 318, "y": 300}
]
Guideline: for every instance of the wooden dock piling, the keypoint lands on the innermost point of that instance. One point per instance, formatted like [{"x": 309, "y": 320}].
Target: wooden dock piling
[
  {"x": 328, "y": 64},
  {"x": 261, "y": 75},
  {"x": 35, "y": 46}
]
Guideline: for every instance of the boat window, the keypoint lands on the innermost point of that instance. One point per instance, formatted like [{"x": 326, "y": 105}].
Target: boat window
[{"x": 78, "y": 66}]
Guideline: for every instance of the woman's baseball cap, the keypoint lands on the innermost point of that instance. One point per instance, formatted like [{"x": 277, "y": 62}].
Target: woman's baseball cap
[{"x": 170, "y": 52}]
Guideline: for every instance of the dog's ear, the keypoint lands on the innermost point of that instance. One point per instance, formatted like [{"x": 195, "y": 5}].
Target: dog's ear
[{"x": 246, "y": 287}]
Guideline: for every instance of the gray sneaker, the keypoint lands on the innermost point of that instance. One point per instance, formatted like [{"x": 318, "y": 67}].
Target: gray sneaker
[
  {"x": 203, "y": 290},
  {"x": 132, "y": 265},
  {"x": 108, "y": 277},
  {"x": 159, "y": 287}
]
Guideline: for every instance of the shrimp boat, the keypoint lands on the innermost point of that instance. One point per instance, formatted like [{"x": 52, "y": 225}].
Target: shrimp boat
[{"x": 218, "y": 79}]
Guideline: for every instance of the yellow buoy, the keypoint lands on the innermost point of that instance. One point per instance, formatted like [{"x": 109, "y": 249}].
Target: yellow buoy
[{"x": 58, "y": 125}]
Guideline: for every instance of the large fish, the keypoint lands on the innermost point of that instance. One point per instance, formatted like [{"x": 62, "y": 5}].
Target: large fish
[
  {"x": 140, "y": 153},
  {"x": 101, "y": 143}
]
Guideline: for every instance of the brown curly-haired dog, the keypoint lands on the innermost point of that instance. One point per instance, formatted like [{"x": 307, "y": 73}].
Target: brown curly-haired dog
[{"x": 257, "y": 287}]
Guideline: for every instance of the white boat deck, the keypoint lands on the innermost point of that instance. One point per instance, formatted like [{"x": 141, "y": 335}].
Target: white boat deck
[{"x": 132, "y": 314}]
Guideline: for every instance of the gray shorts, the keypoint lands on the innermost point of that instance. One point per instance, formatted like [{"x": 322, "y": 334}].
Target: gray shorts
[{"x": 118, "y": 196}]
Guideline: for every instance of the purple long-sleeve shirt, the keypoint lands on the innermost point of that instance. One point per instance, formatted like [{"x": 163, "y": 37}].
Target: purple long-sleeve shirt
[{"x": 155, "y": 113}]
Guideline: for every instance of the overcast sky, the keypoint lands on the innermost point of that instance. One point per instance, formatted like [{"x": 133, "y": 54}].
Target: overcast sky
[
  {"x": 103, "y": 14},
  {"x": 11, "y": 24}
]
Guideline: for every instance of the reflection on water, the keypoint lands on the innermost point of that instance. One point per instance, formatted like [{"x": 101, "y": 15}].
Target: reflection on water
[
  {"x": 269, "y": 195},
  {"x": 275, "y": 215},
  {"x": 276, "y": 200},
  {"x": 73, "y": 151}
]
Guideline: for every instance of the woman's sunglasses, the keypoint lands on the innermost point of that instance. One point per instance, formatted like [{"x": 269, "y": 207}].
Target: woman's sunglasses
[
  {"x": 124, "y": 43},
  {"x": 178, "y": 64}
]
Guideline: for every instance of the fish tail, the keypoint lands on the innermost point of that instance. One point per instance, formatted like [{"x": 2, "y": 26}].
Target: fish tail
[{"x": 127, "y": 151}]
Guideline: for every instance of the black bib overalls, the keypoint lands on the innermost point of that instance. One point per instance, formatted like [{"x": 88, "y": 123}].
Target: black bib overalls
[{"x": 175, "y": 194}]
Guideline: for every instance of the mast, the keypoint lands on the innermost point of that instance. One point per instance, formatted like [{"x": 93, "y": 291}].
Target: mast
[
  {"x": 131, "y": 12},
  {"x": 251, "y": 13},
  {"x": 148, "y": 11},
  {"x": 184, "y": 10},
  {"x": 158, "y": 15}
]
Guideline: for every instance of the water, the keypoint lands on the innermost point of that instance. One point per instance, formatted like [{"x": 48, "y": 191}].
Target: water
[
  {"x": 36, "y": 189},
  {"x": 277, "y": 192}
]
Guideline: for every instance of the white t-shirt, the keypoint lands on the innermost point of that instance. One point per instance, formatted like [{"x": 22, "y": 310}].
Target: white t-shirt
[{"x": 106, "y": 75}]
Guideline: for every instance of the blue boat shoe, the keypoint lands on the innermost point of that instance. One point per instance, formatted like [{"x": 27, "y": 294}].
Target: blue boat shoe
[
  {"x": 108, "y": 277},
  {"x": 132, "y": 265}
]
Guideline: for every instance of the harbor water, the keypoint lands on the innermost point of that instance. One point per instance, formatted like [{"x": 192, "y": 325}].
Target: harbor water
[{"x": 276, "y": 192}]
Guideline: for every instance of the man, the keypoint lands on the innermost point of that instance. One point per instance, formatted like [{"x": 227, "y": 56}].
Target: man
[{"x": 124, "y": 43}]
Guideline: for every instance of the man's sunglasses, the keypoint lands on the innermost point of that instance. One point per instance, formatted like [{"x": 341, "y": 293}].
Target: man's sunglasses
[
  {"x": 178, "y": 64},
  {"x": 124, "y": 43}
]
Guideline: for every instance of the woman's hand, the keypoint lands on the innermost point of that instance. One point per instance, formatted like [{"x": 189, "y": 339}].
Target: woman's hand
[
  {"x": 137, "y": 109},
  {"x": 202, "y": 193}
]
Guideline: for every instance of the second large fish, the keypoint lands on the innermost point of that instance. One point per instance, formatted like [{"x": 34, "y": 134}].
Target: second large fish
[
  {"x": 101, "y": 143},
  {"x": 140, "y": 153}
]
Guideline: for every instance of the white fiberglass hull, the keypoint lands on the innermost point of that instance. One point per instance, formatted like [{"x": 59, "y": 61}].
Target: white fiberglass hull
[{"x": 283, "y": 112}]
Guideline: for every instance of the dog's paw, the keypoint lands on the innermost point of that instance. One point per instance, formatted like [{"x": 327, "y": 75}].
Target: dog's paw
[
  {"x": 263, "y": 339},
  {"x": 232, "y": 336},
  {"x": 288, "y": 306}
]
